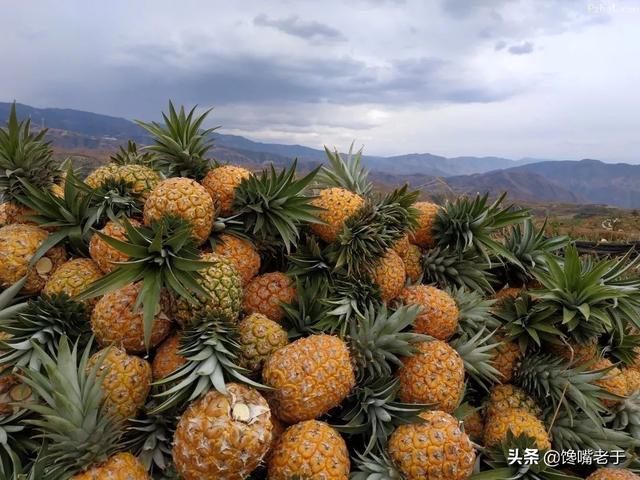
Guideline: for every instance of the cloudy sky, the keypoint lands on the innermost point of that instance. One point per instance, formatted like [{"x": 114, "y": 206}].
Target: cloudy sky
[{"x": 540, "y": 78}]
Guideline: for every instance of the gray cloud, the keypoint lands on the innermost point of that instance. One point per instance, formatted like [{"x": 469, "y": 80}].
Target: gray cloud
[
  {"x": 521, "y": 49},
  {"x": 294, "y": 25},
  {"x": 500, "y": 45}
]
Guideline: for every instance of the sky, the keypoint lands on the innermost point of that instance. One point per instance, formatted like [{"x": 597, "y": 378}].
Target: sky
[{"x": 555, "y": 79}]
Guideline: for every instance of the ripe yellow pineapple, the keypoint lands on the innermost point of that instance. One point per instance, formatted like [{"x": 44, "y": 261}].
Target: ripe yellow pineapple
[
  {"x": 224, "y": 285},
  {"x": 100, "y": 175},
  {"x": 223, "y": 436},
  {"x": 127, "y": 380},
  {"x": 142, "y": 178},
  {"x": 506, "y": 357},
  {"x": 266, "y": 292},
  {"x": 18, "y": 243},
  {"x": 167, "y": 359},
  {"x": 402, "y": 246},
  {"x": 519, "y": 422},
  {"x": 104, "y": 254},
  {"x": 338, "y": 205},
  {"x": 72, "y": 278},
  {"x": 613, "y": 382},
  {"x": 509, "y": 397},
  {"x": 186, "y": 199},
  {"x": 309, "y": 376},
  {"x": 221, "y": 183},
  {"x": 577, "y": 353},
  {"x": 433, "y": 375},
  {"x": 423, "y": 236},
  {"x": 389, "y": 275},
  {"x": 435, "y": 448},
  {"x": 632, "y": 377},
  {"x": 474, "y": 425},
  {"x": 12, "y": 212},
  {"x": 242, "y": 255},
  {"x": 412, "y": 259},
  {"x": 259, "y": 337},
  {"x": 613, "y": 474},
  {"x": 439, "y": 313},
  {"x": 310, "y": 449},
  {"x": 121, "y": 466},
  {"x": 115, "y": 320}
]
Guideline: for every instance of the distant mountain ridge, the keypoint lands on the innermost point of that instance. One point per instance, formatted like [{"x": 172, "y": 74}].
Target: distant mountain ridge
[{"x": 527, "y": 179}]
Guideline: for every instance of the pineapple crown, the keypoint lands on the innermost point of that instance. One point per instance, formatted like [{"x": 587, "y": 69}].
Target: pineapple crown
[
  {"x": 211, "y": 351},
  {"x": 477, "y": 353},
  {"x": 72, "y": 216},
  {"x": 132, "y": 155},
  {"x": 114, "y": 199},
  {"x": 163, "y": 256},
  {"x": 15, "y": 444},
  {"x": 372, "y": 412},
  {"x": 181, "y": 144},
  {"x": 448, "y": 268},
  {"x": 474, "y": 311},
  {"x": 42, "y": 321},
  {"x": 375, "y": 465},
  {"x": 345, "y": 173},
  {"x": 469, "y": 224},
  {"x": 272, "y": 205},
  {"x": 591, "y": 297},
  {"x": 24, "y": 156},
  {"x": 72, "y": 421},
  {"x": 373, "y": 230}
]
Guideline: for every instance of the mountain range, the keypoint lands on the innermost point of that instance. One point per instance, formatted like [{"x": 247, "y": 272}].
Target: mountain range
[{"x": 528, "y": 179}]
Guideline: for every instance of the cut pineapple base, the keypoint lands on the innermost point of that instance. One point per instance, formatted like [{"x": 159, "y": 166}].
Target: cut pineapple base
[{"x": 197, "y": 320}]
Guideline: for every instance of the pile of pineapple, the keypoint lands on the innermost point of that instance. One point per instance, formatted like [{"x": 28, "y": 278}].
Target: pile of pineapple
[{"x": 170, "y": 317}]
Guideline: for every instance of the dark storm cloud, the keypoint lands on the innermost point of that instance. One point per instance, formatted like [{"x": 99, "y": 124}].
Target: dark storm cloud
[
  {"x": 294, "y": 25},
  {"x": 522, "y": 49}
]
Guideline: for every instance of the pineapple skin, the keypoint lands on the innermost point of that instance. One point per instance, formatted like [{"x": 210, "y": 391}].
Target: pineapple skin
[
  {"x": 186, "y": 199},
  {"x": 101, "y": 174},
  {"x": 613, "y": 474},
  {"x": 104, "y": 254},
  {"x": 221, "y": 183},
  {"x": 12, "y": 212},
  {"x": 167, "y": 359},
  {"x": 18, "y": 243},
  {"x": 509, "y": 397},
  {"x": 126, "y": 383},
  {"x": 439, "y": 313},
  {"x": 474, "y": 426},
  {"x": 309, "y": 376},
  {"x": 389, "y": 275},
  {"x": 115, "y": 320},
  {"x": 433, "y": 375},
  {"x": 310, "y": 449},
  {"x": 412, "y": 259},
  {"x": 72, "y": 278},
  {"x": 212, "y": 441},
  {"x": 576, "y": 352},
  {"x": 519, "y": 422},
  {"x": 142, "y": 178},
  {"x": 338, "y": 205},
  {"x": 242, "y": 255},
  {"x": 121, "y": 466},
  {"x": 224, "y": 300},
  {"x": 613, "y": 382},
  {"x": 259, "y": 337},
  {"x": 423, "y": 234},
  {"x": 436, "y": 448},
  {"x": 632, "y": 377},
  {"x": 266, "y": 292},
  {"x": 506, "y": 357}
]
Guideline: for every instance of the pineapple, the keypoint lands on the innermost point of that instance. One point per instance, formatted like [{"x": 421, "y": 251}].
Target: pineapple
[
  {"x": 73, "y": 277},
  {"x": 435, "y": 448},
  {"x": 223, "y": 436},
  {"x": 11, "y": 212},
  {"x": 126, "y": 383},
  {"x": 613, "y": 474},
  {"x": 506, "y": 292},
  {"x": 259, "y": 337},
  {"x": 266, "y": 293},
  {"x": 506, "y": 357},
  {"x": 83, "y": 441},
  {"x": 474, "y": 425},
  {"x": 101, "y": 175},
  {"x": 223, "y": 297},
  {"x": 401, "y": 247},
  {"x": 509, "y": 397},
  {"x": 167, "y": 359},
  {"x": 434, "y": 376},
  {"x": 518, "y": 422},
  {"x": 423, "y": 236},
  {"x": 221, "y": 183},
  {"x": 310, "y": 449},
  {"x": 632, "y": 378},
  {"x": 116, "y": 319},
  {"x": 142, "y": 180},
  {"x": 18, "y": 244},
  {"x": 389, "y": 275},
  {"x": 186, "y": 199},
  {"x": 309, "y": 377},
  {"x": 613, "y": 381},
  {"x": 439, "y": 313},
  {"x": 104, "y": 254},
  {"x": 576, "y": 353},
  {"x": 242, "y": 255},
  {"x": 412, "y": 259},
  {"x": 337, "y": 205}
]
